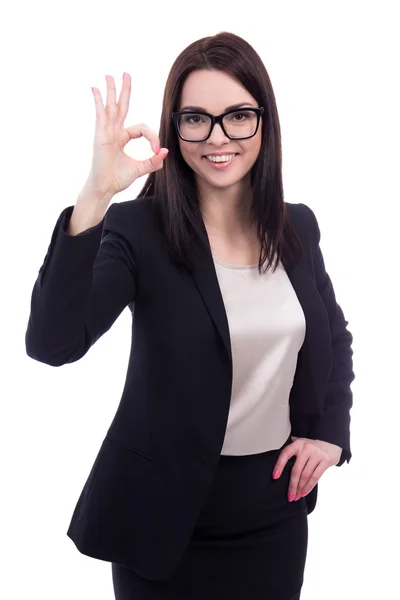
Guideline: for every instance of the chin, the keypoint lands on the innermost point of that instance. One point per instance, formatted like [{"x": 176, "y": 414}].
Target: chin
[
  {"x": 223, "y": 180},
  {"x": 224, "y": 184}
]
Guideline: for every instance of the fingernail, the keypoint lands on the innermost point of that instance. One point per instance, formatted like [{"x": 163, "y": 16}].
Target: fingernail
[
  {"x": 303, "y": 494},
  {"x": 290, "y": 497},
  {"x": 298, "y": 497},
  {"x": 276, "y": 474}
]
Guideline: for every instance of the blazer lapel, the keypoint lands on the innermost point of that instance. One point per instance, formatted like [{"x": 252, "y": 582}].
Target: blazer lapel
[{"x": 205, "y": 278}]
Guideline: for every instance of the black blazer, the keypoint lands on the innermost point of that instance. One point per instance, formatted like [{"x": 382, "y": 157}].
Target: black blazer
[{"x": 151, "y": 476}]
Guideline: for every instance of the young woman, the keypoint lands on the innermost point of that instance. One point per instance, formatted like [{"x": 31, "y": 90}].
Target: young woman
[{"x": 237, "y": 397}]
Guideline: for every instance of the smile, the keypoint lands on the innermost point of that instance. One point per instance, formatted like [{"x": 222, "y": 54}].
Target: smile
[
  {"x": 220, "y": 162},
  {"x": 224, "y": 158}
]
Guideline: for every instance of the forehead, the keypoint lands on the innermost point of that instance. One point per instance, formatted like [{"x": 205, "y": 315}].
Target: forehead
[{"x": 213, "y": 91}]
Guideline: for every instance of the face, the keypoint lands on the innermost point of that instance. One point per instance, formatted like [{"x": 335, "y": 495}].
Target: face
[{"x": 214, "y": 92}]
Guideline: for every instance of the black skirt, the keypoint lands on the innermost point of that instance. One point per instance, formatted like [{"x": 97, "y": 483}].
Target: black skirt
[{"x": 250, "y": 542}]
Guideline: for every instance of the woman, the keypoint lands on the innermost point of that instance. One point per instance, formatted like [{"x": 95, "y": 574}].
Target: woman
[{"x": 237, "y": 396}]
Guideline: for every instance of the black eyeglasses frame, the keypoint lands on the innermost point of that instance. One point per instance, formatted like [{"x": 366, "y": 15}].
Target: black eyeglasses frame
[{"x": 175, "y": 116}]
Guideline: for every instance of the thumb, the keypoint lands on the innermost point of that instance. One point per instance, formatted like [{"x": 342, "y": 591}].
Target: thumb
[{"x": 155, "y": 162}]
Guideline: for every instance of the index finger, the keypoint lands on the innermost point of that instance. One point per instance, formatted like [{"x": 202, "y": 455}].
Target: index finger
[
  {"x": 137, "y": 131},
  {"x": 286, "y": 454}
]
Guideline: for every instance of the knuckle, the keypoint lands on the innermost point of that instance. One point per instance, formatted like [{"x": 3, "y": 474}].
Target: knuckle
[{"x": 307, "y": 474}]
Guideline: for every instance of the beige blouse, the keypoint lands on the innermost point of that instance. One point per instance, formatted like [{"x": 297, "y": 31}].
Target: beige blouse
[{"x": 267, "y": 329}]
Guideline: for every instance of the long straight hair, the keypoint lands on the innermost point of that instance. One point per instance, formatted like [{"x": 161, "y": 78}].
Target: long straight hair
[{"x": 173, "y": 188}]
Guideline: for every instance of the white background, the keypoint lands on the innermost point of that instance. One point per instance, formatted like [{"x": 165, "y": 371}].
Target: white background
[{"x": 335, "y": 71}]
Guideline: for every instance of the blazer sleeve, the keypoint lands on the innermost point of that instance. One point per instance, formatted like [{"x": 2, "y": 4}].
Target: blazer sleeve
[
  {"x": 83, "y": 285},
  {"x": 334, "y": 424}
]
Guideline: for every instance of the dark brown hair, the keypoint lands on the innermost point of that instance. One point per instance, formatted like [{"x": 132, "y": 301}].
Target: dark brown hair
[{"x": 173, "y": 187}]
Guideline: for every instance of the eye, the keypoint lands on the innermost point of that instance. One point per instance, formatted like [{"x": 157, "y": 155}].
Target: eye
[
  {"x": 193, "y": 119},
  {"x": 240, "y": 116}
]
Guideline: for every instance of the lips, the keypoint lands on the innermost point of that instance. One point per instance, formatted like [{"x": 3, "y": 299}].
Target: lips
[{"x": 220, "y": 165}]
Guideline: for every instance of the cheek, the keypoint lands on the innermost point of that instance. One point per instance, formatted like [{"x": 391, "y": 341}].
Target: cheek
[
  {"x": 190, "y": 152},
  {"x": 253, "y": 150},
  {"x": 256, "y": 142}
]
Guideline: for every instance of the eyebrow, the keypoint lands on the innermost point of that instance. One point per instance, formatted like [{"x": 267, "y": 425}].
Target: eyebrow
[{"x": 228, "y": 108}]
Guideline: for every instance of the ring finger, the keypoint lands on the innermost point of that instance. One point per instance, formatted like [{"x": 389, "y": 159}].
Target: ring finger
[{"x": 313, "y": 478}]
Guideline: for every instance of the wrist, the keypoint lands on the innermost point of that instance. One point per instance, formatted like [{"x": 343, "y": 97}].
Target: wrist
[{"x": 91, "y": 194}]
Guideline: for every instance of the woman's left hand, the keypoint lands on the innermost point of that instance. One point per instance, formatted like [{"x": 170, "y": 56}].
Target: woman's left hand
[{"x": 313, "y": 458}]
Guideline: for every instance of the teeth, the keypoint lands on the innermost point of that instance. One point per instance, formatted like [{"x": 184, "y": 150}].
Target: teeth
[{"x": 224, "y": 158}]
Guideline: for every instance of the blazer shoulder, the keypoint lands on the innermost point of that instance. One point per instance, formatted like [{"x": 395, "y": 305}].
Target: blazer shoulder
[
  {"x": 128, "y": 216},
  {"x": 304, "y": 221},
  {"x": 300, "y": 211}
]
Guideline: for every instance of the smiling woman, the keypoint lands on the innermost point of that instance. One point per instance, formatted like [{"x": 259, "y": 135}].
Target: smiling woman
[{"x": 230, "y": 357}]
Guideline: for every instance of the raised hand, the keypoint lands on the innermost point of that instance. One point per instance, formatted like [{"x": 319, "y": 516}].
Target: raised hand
[{"x": 112, "y": 170}]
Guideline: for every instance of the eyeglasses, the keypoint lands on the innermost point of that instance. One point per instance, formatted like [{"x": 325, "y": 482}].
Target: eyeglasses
[{"x": 236, "y": 124}]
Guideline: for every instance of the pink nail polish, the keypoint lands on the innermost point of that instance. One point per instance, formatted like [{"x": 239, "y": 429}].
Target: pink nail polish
[
  {"x": 290, "y": 497},
  {"x": 276, "y": 474},
  {"x": 303, "y": 494}
]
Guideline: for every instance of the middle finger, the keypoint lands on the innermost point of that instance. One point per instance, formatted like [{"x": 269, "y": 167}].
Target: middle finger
[
  {"x": 110, "y": 102},
  {"x": 123, "y": 102},
  {"x": 295, "y": 476}
]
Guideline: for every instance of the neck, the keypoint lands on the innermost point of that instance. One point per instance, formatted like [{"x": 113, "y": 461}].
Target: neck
[{"x": 226, "y": 211}]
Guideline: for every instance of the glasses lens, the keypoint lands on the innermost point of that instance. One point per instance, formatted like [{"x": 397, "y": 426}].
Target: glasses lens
[
  {"x": 193, "y": 126},
  {"x": 240, "y": 124}
]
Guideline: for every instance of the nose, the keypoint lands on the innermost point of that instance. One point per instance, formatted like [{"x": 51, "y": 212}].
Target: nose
[{"x": 217, "y": 135}]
